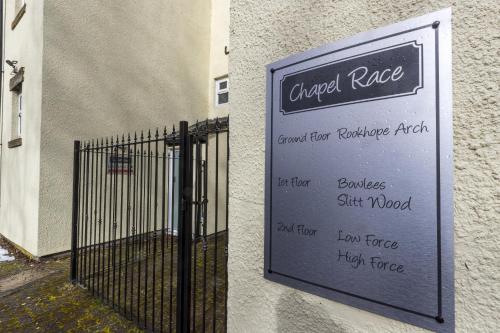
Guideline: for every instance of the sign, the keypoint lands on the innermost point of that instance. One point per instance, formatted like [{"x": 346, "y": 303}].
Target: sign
[
  {"x": 120, "y": 164},
  {"x": 359, "y": 205},
  {"x": 390, "y": 72}
]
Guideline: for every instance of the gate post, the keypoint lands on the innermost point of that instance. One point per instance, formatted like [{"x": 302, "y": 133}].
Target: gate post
[
  {"x": 184, "y": 238},
  {"x": 76, "y": 199}
]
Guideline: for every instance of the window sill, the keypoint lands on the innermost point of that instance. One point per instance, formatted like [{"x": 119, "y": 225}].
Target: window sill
[
  {"x": 18, "y": 17},
  {"x": 15, "y": 143}
]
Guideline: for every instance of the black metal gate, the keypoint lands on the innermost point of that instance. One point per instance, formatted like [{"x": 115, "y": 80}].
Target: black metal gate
[{"x": 150, "y": 225}]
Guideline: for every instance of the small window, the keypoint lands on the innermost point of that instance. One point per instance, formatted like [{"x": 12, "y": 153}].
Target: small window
[
  {"x": 221, "y": 91},
  {"x": 20, "y": 109},
  {"x": 17, "y": 113}
]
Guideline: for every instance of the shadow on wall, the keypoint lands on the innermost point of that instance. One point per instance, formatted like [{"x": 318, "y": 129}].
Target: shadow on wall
[{"x": 296, "y": 315}]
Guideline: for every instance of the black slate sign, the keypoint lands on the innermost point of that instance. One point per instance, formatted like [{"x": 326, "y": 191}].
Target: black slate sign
[{"x": 385, "y": 73}]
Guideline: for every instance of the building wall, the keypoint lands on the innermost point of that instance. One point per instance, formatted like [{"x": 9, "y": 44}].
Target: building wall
[
  {"x": 111, "y": 67},
  {"x": 19, "y": 173},
  {"x": 219, "y": 39},
  {"x": 265, "y": 31}
]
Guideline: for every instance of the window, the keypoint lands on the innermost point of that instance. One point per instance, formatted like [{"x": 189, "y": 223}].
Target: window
[
  {"x": 17, "y": 114},
  {"x": 20, "y": 108},
  {"x": 221, "y": 91}
]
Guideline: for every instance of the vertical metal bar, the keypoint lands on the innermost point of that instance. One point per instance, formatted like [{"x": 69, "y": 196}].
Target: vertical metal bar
[
  {"x": 110, "y": 227},
  {"x": 197, "y": 192},
  {"x": 205, "y": 244},
  {"x": 148, "y": 231},
  {"x": 100, "y": 239},
  {"x": 120, "y": 254},
  {"x": 86, "y": 221},
  {"x": 141, "y": 233},
  {"x": 90, "y": 220},
  {"x": 226, "y": 250},
  {"x": 75, "y": 210},
  {"x": 96, "y": 222},
  {"x": 155, "y": 222},
  {"x": 127, "y": 233},
  {"x": 105, "y": 249},
  {"x": 115, "y": 216},
  {"x": 163, "y": 235},
  {"x": 174, "y": 180},
  {"x": 155, "y": 226},
  {"x": 81, "y": 221},
  {"x": 184, "y": 231},
  {"x": 216, "y": 224},
  {"x": 134, "y": 225},
  {"x": 199, "y": 185},
  {"x": 93, "y": 211}
]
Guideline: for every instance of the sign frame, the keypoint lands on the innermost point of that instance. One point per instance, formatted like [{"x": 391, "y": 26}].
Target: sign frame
[{"x": 443, "y": 320}]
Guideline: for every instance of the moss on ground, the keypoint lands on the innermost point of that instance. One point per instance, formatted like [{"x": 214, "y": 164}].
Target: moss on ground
[
  {"x": 21, "y": 262},
  {"x": 52, "y": 304},
  {"x": 8, "y": 268},
  {"x": 208, "y": 273}
]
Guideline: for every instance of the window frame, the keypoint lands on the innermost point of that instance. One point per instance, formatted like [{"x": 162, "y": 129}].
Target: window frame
[
  {"x": 219, "y": 91},
  {"x": 19, "y": 111},
  {"x": 18, "y": 107}
]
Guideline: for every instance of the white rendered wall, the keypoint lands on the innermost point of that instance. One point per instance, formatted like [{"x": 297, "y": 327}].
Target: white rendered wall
[
  {"x": 219, "y": 39},
  {"x": 20, "y": 170}
]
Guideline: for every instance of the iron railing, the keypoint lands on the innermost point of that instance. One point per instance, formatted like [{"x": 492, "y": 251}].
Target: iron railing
[{"x": 150, "y": 225}]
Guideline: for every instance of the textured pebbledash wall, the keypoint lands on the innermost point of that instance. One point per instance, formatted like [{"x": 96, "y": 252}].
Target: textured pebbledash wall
[{"x": 265, "y": 31}]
